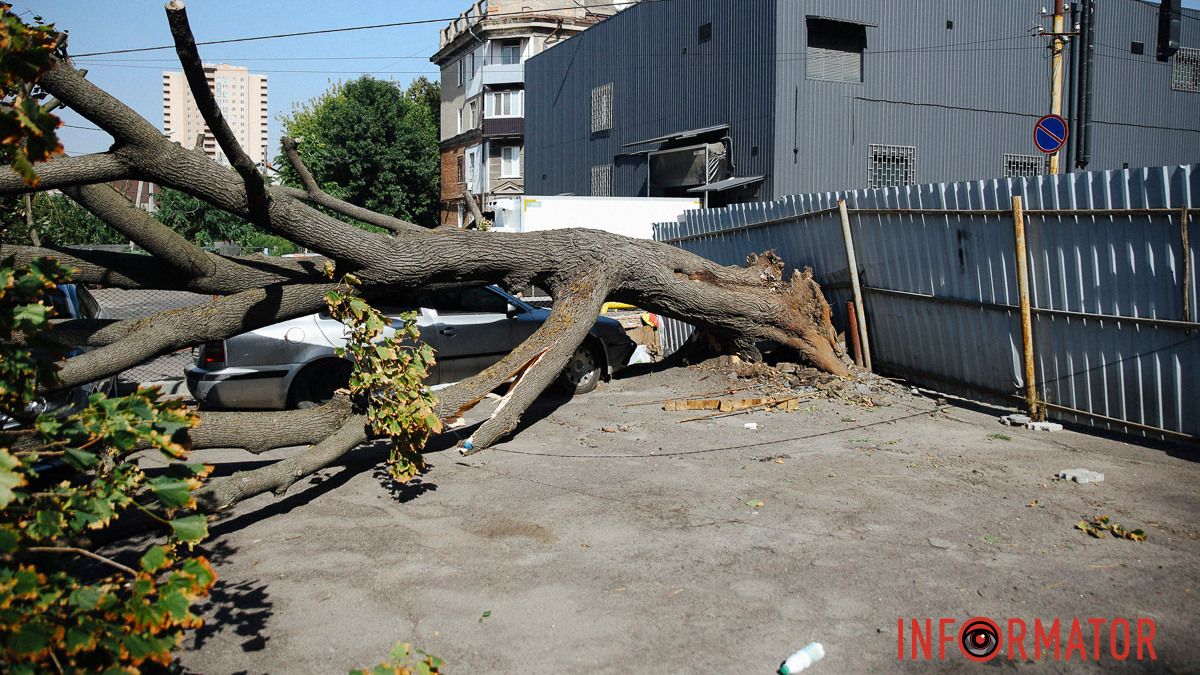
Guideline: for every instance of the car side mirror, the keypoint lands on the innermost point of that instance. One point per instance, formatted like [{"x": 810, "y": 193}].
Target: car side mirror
[{"x": 512, "y": 311}]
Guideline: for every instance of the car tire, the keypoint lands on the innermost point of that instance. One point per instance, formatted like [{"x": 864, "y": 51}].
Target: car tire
[
  {"x": 316, "y": 384},
  {"x": 582, "y": 372}
]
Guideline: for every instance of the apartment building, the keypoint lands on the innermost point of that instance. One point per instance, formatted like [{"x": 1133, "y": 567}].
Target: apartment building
[
  {"x": 242, "y": 97},
  {"x": 482, "y": 56}
]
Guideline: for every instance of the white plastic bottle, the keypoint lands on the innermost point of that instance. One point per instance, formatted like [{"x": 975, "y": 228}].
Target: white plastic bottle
[{"x": 802, "y": 659}]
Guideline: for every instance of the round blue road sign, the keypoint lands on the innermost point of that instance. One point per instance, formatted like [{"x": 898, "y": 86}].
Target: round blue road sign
[{"x": 1050, "y": 134}]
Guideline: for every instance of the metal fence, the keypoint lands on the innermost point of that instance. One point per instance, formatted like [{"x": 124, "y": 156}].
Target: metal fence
[{"x": 1113, "y": 295}]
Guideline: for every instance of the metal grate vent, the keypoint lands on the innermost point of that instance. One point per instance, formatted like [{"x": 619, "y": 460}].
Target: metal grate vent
[
  {"x": 1185, "y": 76},
  {"x": 602, "y": 107},
  {"x": 892, "y": 165},
  {"x": 1024, "y": 165},
  {"x": 602, "y": 180}
]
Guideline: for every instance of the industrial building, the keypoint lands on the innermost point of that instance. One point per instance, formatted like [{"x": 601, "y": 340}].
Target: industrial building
[{"x": 746, "y": 100}]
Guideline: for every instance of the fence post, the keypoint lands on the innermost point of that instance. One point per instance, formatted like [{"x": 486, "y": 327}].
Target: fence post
[
  {"x": 858, "y": 298},
  {"x": 1031, "y": 399},
  {"x": 1187, "y": 264}
]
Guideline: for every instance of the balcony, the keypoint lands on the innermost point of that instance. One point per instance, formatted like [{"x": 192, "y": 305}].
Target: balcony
[
  {"x": 503, "y": 73},
  {"x": 502, "y": 127}
]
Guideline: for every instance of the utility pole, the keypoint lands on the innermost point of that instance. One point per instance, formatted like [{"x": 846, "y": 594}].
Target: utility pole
[{"x": 1056, "y": 80}]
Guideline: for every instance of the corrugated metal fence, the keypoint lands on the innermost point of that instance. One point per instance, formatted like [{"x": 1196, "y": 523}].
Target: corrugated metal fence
[{"x": 1114, "y": 303}]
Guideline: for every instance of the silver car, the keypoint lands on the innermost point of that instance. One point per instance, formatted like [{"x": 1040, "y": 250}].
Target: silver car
[{"x": 293, "y": 365}]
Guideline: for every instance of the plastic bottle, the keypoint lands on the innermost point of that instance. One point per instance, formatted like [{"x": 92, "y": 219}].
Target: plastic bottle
[{"x": 802, "y": 659}]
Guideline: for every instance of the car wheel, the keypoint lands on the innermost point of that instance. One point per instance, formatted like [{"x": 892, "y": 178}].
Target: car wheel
[
  {"x": 315, "y": 385},
  {"x": 582, "y": 373}
]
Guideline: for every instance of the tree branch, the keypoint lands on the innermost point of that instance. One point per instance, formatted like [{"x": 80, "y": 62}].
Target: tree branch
[
  {"x": 62, "y": 172},
  {"x": 134, "y": 341},
  {"x": 258, "y": 432},
  {"x": 83, "y": 552},
  {"x": 193, "y": 68},
  {"x": 134, "y": 271},
  {"x": 144, "y": 230},
  {"x": 313, "y": 194},
  {"x": 222, "y": 493}
]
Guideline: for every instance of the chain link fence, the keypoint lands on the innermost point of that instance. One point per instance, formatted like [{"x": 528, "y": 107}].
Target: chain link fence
[{"x": 137, "y": 304}]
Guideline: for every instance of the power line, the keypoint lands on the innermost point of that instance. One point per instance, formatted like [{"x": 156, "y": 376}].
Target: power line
[{"x": 327, "y": 31}]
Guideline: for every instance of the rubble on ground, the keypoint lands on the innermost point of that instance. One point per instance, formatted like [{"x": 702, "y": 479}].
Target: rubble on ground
[{"x": 783, "y": 379}]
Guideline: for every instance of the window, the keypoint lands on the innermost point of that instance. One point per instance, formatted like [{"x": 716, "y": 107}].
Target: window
[
  {"x": 892, "y": 165},
  {"x": 460, "y": 169},
  {"x": 510, "y": 161},
  {"x": 510, "y": 53},
  {"x": 503, "y": 104},
  {"x": 835, "y": 50},
  {"x": 473, "y": 118},
  {"x": 705, "y": 33},
  {"x": 465, "y": 301},
  {"x": 1024, "y": 165},
  {"x": 1186, "y": 74},
  {"x": 1137, "y": 48},
  {"x": 602, "y": 180},
  {"x": 602, "y": 107},
  {"x": 462, "y": 69}
]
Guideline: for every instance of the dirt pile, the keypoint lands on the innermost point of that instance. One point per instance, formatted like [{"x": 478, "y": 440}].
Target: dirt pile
[{"x": 862, "y": 388}]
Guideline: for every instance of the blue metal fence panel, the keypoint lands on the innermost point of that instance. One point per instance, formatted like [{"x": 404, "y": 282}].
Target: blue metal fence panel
[{"x": 940, "y": 289}]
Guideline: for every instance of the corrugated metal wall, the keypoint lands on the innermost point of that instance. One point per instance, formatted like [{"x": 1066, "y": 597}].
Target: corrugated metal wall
[
  {"x": 964, "y": 95},
  {"x": 941, "y": 290},
  {"x": 664, "y": 81}
]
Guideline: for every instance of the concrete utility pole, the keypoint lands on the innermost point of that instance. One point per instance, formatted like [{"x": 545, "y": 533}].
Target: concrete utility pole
[{"x": 1056, "y": 79}]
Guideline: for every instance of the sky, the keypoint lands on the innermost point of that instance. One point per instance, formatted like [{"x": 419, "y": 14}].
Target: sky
[{"x": 298, "y": 68}]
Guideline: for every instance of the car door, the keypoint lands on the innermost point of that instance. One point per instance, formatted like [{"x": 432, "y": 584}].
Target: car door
[{"x": 473, "y": 329}]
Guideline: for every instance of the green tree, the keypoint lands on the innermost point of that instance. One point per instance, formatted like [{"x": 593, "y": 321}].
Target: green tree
[
  {"x": 63, "y": 477},
  {"x": 372, "y": 144},
  {"x": 59, "y": 221},
  {"x": 199, "y": 221}
]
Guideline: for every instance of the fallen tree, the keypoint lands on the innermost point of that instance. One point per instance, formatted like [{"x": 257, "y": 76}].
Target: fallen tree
[{"x": 737, "y": 307}]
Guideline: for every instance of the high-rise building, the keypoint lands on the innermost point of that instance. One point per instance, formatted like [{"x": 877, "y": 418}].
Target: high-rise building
[
  {"x": 242, "y": 97},
  {"x": 482, "y": 56}
]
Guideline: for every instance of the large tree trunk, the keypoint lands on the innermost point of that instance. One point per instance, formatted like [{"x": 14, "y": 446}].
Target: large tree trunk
[{"x": 740, "y": 306}]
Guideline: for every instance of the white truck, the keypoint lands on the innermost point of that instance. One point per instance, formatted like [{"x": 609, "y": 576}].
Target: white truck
[{"x": 630, "y": 216}]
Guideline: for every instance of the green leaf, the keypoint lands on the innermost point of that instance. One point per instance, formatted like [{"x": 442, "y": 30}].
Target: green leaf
[
  {"x": 174, "y": 493},
  {"x": 46, "y": 525},
  {"x": 30, "y": 316},
  {"x": 80, "y": 459},
  {"x": 86, "y": 598},
  {"x": 176, "y": 604},
  {"x": 31, "y": 638},
  {"x": 154, "y": 559},
  {"x": 9, "y": 539},
  {"x": 190, "y": 529},
  {"x": 10, "y": 478}
]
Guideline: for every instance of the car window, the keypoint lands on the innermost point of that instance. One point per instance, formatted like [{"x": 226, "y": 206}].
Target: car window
[
  {"x": 89, "y": 308},
  {"x": 466, "y": 301},
  {"x": 59, "y": 299}
]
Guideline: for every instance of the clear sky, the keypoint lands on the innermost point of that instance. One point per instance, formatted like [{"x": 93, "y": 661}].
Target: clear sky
[{"x": 298, "y": 68}]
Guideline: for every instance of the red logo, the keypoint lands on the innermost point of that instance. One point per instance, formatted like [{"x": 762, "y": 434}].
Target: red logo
[{"x": 981, "y": 639}]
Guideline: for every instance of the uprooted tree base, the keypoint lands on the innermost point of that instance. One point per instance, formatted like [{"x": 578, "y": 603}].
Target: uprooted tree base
[{"x": 738, "y": 307}]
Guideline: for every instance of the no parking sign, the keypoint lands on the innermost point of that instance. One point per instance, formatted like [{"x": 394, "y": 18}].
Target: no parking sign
[{"x": 1050, "y": 134}]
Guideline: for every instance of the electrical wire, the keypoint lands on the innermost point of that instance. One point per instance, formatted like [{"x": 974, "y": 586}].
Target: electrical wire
[
  {"x": 743, "y": 446},
  {"x": 347, "y": 29}
]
